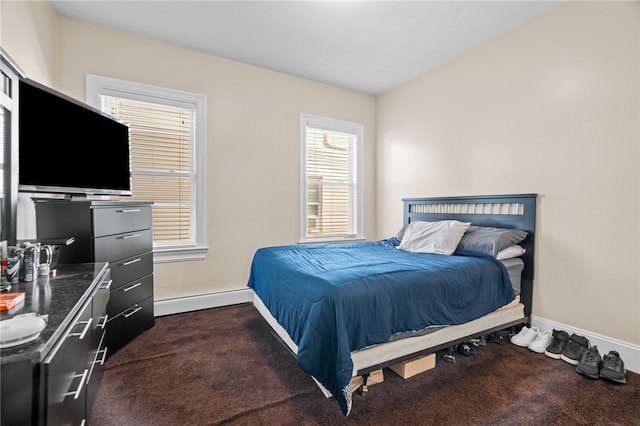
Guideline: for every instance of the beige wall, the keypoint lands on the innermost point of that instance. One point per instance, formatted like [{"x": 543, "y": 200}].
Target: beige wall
[
  {"x": 550, "y": 107},
  {"x": 252, "y": 149},
  {"x": 27, "y": 35}
]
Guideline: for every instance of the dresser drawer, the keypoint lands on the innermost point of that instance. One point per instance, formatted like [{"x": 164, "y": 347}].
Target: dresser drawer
[
  {"x": 66, "y": 371},
  {"x": 120, "y": 246},
  {"x": 123, "y": 297},
  {"x": 96, "y": 372},
  {"x": 116, "y": 220},
  {"x": 101, "y": 297},
  {"x": 130, "y": 268},
  {"x": 130, "y": 323},
  {"x": 99, "y": 315}
]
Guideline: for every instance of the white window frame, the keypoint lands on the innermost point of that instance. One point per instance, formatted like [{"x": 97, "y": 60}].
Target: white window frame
[
  {"x": 99, "y": 85},
  {"x": 330, "y": 124}
]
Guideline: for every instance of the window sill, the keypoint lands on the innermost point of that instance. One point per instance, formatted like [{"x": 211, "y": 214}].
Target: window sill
[
  {"x": 179, "y": 254},
  {"x": 332, "y": 240}
]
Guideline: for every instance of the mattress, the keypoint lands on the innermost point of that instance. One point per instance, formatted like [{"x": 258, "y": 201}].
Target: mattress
[
  {"x": 385, "y": 352},
  {"x": 391, "y": 350},
  {"x": 514, "y": 266}
]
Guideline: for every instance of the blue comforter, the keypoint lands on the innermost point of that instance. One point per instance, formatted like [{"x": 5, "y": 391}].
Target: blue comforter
[{"x": 336, "y": 298}]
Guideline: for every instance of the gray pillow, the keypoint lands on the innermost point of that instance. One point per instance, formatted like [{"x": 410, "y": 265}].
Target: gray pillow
[{"x": 490, "y": 240}]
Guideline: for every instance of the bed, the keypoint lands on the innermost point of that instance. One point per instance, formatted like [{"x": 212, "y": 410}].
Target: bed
[{"x": 346, "y": 310}]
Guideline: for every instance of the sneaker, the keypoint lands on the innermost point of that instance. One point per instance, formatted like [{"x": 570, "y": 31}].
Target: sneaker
[
  {"x": 576, "y": 348},
  {"x": 589, "y": 364},
  {"x": 541, "y": 341},
  {"x": 525, "y": 337},
  {"x": 559, "y": 342},
  {"x": 613, "y": 368}
]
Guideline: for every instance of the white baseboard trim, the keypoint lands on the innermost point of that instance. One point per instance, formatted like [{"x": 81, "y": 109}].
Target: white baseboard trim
[
  {"x": 206, "y": 301},
  {"x": 629, "y": 353}
]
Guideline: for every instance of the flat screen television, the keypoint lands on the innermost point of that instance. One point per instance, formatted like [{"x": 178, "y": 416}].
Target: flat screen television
[{"x": 68, "y": 147}]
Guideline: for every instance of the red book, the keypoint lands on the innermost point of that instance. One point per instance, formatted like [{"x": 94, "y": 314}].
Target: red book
[{"x": 9, "y": 300}]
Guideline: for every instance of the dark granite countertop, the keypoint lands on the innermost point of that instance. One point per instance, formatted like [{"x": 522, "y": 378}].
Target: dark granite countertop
[{"x": 59, "y": 297}]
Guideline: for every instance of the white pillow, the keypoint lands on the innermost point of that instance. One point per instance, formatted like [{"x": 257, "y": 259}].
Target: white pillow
[
  {"x": 510, "y": 252},
  {"x": 440, "y": 237}
]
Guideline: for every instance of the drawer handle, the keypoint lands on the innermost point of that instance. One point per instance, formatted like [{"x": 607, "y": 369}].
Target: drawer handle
[
  {"x": 136, "y": 309},
  {"x": 106, "y": 285},
  {"x": 131, "y": 261},
  {"x": 84, "y": 331},
  {"x": 104, "y": 356},
  {"x": 132, "y": 287},
  {"x": 129, "y": 211},
  {"x": 126, "y": 237},
  {"x": 104, "y": 322},
  {"x": 76, "y": 394}
]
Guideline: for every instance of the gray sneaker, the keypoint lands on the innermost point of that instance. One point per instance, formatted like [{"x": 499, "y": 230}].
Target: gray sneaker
[
  {"x": 589, "y": 364},
  {"x": 576, "y": 348},
  {"x": 558, "y": 344},
  {"x": 613, "y": 368}
]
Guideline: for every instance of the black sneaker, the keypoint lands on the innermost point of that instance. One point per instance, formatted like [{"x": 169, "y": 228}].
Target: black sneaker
[
  {"x": 613, "y": 368},
  {"x": 558, "y": 344},
  {"x": 589, "y": 364},
  {"x": 576, "y": 348}
]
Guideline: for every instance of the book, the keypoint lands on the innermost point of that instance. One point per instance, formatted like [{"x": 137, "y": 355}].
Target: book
[{"x": 9, "y": 300}]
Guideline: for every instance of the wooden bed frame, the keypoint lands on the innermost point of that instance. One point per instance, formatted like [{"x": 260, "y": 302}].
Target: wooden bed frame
[{"x": 502, "y": 211}]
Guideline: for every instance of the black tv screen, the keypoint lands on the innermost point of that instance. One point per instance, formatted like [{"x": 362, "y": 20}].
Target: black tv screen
[{"x": 68, "y": 147}]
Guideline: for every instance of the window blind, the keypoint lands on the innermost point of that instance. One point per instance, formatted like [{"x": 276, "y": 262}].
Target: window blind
[
  {"x": 331, "y": 183},
  {"x": 162, "y": 166}
]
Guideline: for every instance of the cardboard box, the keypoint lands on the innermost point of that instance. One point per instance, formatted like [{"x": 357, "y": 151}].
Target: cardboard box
[
  {"x": 412, "y": 367},
  {"x": 374, "y": 378}
]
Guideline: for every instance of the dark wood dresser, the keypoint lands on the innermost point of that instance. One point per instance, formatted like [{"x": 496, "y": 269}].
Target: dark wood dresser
[
  {"x": 115, "y": 232},
  {"x": 53, "y": 380}
]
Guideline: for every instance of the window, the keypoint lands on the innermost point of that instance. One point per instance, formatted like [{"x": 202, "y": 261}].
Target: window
[
  {"x": 331, "y": 179},
  {"x": 9, "y": 76},
  {"x": 168, "y": 145}
]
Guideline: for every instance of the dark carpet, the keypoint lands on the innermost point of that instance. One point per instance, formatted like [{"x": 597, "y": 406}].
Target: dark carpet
[{"x": 224, "y": 367}]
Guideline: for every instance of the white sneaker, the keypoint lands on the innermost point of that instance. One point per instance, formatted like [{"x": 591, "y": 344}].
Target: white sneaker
[
  {"x": 525, "y": 337},
  {"x": 541, "y": 341}
]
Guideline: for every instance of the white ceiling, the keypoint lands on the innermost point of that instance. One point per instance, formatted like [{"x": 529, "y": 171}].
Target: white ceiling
[{"x": 368, "y": 46}]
